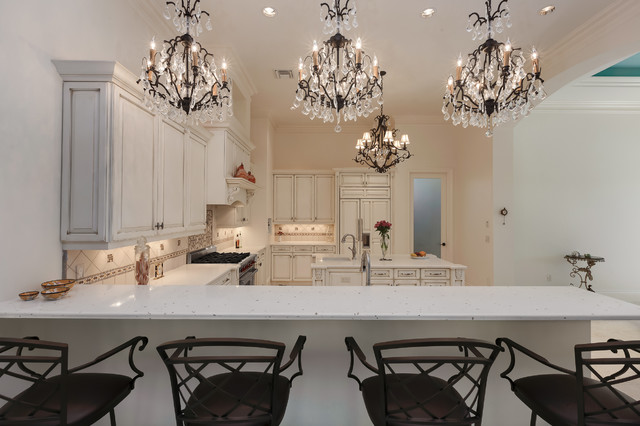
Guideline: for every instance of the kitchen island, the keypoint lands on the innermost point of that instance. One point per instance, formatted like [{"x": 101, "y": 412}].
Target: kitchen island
[
  {"x": 398, "y": 270},
  {"x": 94, "y": 318}
]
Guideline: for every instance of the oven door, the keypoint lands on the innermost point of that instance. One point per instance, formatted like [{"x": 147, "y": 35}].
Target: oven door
[{"x": 248, "y": 277}]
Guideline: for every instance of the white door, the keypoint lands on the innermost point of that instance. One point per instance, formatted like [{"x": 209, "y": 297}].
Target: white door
[
  {"x": 431, "y": 213},
  {"x": 324, "y": 189},
  {"x": 197, "y": 215},
  {"x": 349, "y": 214},
  {"x": 373, "y": 211},
  {"x": 172, "y": 182},
  {"x": 302, "y": 267},
  {"x": 282, "y": 198},
  {"x": 134, "y": 201},
  {"x": 303, "y": 198},
  {"x": 281, "y": 267}
]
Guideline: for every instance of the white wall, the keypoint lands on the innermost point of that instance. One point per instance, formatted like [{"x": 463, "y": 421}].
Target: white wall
[
  {"x": 434, "y": 147},
  {"x": 576, "y": 181},
  {"x": 31, "y": 35}
]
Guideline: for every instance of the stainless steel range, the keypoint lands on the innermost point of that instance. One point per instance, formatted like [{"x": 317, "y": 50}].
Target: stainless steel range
[{"x": 247, "y": 262}]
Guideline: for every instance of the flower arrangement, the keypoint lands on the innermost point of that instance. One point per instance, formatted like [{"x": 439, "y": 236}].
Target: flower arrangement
[{"x": 383, "y": 227}]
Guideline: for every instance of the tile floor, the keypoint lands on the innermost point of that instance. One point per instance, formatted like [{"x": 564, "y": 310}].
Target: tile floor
[{"x": 601, "y": 331}]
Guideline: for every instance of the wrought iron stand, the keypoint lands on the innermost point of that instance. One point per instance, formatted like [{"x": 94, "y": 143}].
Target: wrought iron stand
[{"x": 584, "y": 272}]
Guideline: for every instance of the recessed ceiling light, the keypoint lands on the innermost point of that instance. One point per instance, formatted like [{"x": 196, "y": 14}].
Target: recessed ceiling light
[
  {"x": 269, "y": 12},
  {"x": 547, "y": 10},
  {"x": 428, "y": 13}
]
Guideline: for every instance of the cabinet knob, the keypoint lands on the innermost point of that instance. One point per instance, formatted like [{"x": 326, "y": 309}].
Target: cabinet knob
[{"x": 162, "y": 225}]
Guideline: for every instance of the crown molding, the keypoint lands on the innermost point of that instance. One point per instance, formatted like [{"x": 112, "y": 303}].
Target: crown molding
[
  {"x": 608, "y": 82},
  {"x": 593, "y": 106}
]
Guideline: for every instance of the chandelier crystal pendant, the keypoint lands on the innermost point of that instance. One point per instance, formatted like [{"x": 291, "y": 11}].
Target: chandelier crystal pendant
[
  {"x": 379, "y": 148},
  {"x": 182, "y": 81},
  {"x": 493, "y": 86},
  {"x": 338, "y": 81}
]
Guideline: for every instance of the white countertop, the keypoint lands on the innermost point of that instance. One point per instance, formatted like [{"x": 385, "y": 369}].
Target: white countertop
[
  {"x": 303, "y": 243},
  {"x": 324, "y": 303},
  {"x": 193, "y": 274},
  {"x": 397, "y": 261}
]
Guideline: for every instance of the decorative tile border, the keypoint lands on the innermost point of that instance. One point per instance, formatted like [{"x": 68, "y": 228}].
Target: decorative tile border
[{"x": 92, "y": 279}]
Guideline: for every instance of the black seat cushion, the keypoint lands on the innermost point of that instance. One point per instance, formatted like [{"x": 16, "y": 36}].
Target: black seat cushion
[
  {"x": 407, "y": 390},
  {"x": 554, "y": 398},
  {"x": 238, "y": 393},
  {"x": 90, "y": 396}
]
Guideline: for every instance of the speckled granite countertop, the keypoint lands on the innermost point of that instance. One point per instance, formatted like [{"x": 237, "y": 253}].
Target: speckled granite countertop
[{"x": 324, "y": 303}]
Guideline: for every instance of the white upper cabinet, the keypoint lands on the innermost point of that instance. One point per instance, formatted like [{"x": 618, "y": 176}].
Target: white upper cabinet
[
  {"x": 303, "y": 198},
  {"x": 283, "y": 198},
  {"x": 126, "y": 172},
  {"x": 226, "y": 151}
]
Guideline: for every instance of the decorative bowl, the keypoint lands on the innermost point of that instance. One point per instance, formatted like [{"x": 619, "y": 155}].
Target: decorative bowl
[
  {"x": 55, "y": 293},
  {"x": 59, "y": 283},
  {"x": 29, "y": 295}
]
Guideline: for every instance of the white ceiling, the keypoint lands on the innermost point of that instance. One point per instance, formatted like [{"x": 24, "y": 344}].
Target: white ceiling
[{"x": 418, "y": 54}]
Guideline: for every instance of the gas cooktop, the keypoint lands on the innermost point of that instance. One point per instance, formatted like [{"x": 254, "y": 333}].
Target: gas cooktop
[{"x": 216, "y": 257}]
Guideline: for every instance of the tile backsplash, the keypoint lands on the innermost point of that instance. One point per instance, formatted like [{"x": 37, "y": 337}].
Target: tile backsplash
[
  {"x": 287, "y": 232},
  {"x": 116, "y": 266}
]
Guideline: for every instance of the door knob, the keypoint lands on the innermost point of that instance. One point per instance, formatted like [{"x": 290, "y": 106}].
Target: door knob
[{"x": 443, "y": 244}]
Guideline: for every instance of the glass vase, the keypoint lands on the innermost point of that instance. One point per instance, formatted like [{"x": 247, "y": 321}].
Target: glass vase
[{"x": 384, "y": 245}]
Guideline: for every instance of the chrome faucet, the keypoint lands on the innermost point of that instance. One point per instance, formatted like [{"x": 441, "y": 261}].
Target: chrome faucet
[
  {"x": 353, "y": 247},
  {"x": 365, "y": 266}
]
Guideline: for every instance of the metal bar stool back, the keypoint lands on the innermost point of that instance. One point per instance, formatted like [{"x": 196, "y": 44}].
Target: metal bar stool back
[
  {"x": 593, "y": 394},
  {"x": 38, "y": 388},
  {"x": 426, "y": 381},
  {"x": 210, "y": 386}
]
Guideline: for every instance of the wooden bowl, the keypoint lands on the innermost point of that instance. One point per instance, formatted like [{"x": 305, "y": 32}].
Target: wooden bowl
[
  {"x": 55, "y": 293},
  {"x": 29, "y": 295},
  {"x": 59, "y": 283}
]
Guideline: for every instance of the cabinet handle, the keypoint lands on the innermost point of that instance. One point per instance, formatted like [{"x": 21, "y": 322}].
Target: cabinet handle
[
  {"x": 436, "y": 274},
  {"x": 162, "y": 225},
  {"x": 157, "y": 225}
]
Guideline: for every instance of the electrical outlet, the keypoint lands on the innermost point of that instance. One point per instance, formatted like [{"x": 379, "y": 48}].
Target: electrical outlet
[
  {"x": 549, "y": 277},
  {"x": 487, "y": 238},
  {"x": 80, "y": 271}
]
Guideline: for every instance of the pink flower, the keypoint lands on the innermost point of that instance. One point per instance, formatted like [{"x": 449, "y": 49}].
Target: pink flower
[{"x": 382, "y": 226}]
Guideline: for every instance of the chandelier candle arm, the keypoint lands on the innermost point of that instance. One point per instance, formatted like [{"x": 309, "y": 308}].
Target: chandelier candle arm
[
  {"x": 183, "y": 82},
  {"x": 492, "y": 87}
]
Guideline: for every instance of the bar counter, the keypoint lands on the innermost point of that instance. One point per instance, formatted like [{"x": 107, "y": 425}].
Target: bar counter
[{"x": 95, "y": 318}]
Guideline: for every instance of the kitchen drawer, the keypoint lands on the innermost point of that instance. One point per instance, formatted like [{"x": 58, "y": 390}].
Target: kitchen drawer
[
  {"x": 352, "y": 192},
  {"x": 434, "y": 273},
  {"x": 406, "y": 282},
  {"x": 324, "y": 249},
  {"x": 434, "y": 283},
  {"x": 377, "y": 192},
  {"x": 406, "y": 273},
  {"x": 303, "y": 249},
  {"x": 381, "y": 281},
  {"x": 226, "y": 279},
  {"x": 381, "y": 273},
  {"x": 280, "y": 249}
]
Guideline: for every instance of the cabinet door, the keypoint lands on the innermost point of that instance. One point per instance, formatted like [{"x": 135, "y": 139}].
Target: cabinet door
[
  {"x": 134, "y": 180},
  {"x": 324, "y": 199},
  {"x": 349, "y": 214},
  {"x": 283, "y": 198},
  {"x": 302, "y": 267},
  {"x": 197, "y": 182},
  {"x": 303, "y": 198},
  {"x": 352, "y": 179},
  {"x": 171, "y": 193},
  {"x": 280, "y": 267}
]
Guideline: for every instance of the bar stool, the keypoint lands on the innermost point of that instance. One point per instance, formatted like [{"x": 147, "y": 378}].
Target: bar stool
[
  {"x": 50, "y": 393},
  {"x": 590, "y": 395},
  {"x": 212, "y": 387},
  {"x": 425, "y": 381}
]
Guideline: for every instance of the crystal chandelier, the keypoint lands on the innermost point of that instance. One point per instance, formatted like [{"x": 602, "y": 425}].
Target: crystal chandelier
[
  {"x": 379, "y": 148},
  {"x": 184, "y": 83},
  {"x": 338, "y": 81},
  {"x": 492, "y": 87}
]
